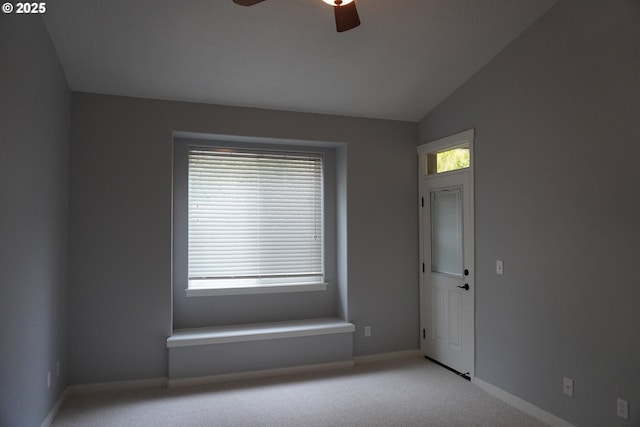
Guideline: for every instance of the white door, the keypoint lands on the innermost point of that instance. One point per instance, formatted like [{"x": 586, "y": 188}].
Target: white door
[{"x": 447, "y": 287}]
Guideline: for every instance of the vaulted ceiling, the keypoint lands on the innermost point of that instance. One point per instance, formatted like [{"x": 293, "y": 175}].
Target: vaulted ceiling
[{"x": 404, "y": 59}]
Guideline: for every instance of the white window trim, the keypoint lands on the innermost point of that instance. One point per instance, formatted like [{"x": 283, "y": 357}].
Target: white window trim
[{"x": 256, "y": 289}]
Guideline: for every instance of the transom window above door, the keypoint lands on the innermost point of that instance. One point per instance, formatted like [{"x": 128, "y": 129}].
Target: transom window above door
[{"x": 448, "y": 160}]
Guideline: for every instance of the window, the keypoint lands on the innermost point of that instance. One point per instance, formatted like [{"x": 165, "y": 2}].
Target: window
[
  {"x": 448, "y": 160},
  {"x": 255, "y": 218},
  {"x": 446, "y": 231}
]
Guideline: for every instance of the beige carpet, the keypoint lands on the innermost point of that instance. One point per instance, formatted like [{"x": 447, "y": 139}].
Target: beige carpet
[{"x": 412, "y": 392}]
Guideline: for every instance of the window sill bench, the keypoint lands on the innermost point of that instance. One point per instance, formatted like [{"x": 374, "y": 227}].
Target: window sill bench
[{"x": 258, "y": 332}]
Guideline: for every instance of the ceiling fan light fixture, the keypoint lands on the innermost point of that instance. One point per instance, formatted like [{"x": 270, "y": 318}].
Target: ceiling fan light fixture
[
  {"x": 338, "y": 3},
  {"x": 344, "y": 10}
]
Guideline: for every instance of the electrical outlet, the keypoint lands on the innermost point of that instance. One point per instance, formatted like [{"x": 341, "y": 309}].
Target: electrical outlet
[
  {"x": 567, "y": 386},
  {"x": 49, "y": 379},
  {"x": 367, "y": 331},
  {"x": 623, "y": 409},
  {"x": 499, "y": 267}
]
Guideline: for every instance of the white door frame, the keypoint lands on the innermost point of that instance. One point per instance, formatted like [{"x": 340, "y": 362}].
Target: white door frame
[{"x": 462, "y": 138}]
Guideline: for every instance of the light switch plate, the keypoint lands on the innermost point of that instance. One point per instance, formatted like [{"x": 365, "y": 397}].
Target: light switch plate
[{"x": 499, "y": 267}]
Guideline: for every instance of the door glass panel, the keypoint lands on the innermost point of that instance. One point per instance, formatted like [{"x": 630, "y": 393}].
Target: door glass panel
[{"x": 446, "y": 231}]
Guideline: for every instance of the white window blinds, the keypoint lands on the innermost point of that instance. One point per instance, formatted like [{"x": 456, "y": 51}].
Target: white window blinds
[{"x": 254, "y": 217}]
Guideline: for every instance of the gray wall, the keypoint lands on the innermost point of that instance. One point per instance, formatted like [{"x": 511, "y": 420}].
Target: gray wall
[
  {"x": 557, "y": 177},
  {"x": 34, "y": 133},
  {"x": 120, "y": 226}
]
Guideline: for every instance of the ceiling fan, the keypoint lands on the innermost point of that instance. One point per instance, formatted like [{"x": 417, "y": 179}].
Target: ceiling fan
[{"x": 345, "y": 12}]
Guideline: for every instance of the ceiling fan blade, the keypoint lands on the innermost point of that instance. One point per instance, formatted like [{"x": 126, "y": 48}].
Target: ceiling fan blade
[
  {"x": 247, "y": 2},
  {"x": 346, "y": 17}
]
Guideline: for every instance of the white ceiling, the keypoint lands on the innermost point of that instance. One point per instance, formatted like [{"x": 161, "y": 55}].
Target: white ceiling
[{"x": 404, "y": 59}]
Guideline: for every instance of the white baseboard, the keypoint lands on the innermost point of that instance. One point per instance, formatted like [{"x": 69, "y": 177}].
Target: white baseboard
[
  {"x": 116, "y": 385},
  {"x": 267, "y": 373},
  {"x": 381, "y": 357},
  {"x": 521, "y": 404},
  {"x": 54, "y": 411}
]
